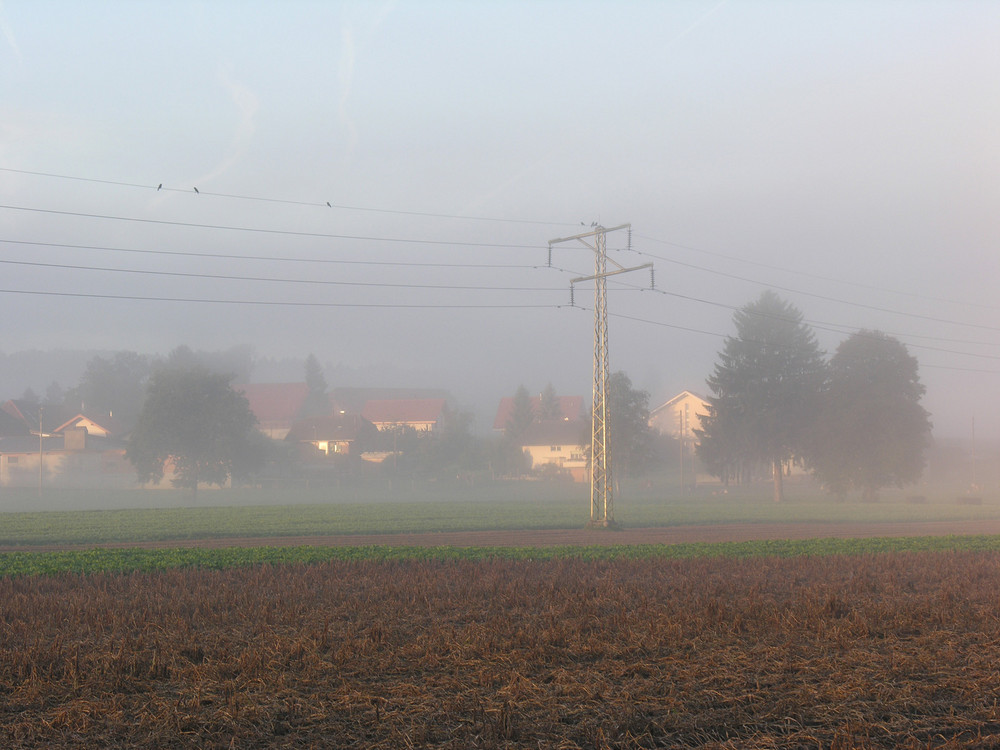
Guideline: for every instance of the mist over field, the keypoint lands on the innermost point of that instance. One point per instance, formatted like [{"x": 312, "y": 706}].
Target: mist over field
[{"x": 377, "y": 185}]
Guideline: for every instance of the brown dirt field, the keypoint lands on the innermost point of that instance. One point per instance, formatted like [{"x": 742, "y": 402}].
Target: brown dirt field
[
  {"x": 863, "y": 652},
  {"x": 728, "y": 532}
]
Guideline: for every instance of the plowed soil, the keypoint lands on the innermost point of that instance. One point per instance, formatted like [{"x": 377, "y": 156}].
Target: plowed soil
[{"x": 867, "y": 651}]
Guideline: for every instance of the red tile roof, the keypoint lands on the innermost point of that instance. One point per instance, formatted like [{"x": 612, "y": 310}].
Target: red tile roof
[
  {"x": 275, "y": 402},
  {"x": 344, "y": 427},
  {"x": 403, "y": 410},
  {"x": 571, "y": 407}
]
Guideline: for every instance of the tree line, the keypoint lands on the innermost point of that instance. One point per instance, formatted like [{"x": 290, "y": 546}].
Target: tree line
[{"x": 855, "y": 421}]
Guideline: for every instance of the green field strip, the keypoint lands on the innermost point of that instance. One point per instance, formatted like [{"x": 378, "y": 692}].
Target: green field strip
[{"x": 130, "y": 560}]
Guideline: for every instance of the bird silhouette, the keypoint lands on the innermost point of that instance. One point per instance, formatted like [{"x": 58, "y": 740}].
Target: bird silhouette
[
  {"x": 159, "y": 187},
  {"x": 328, "y": 203},
  {"x": 196, "y": 190}
]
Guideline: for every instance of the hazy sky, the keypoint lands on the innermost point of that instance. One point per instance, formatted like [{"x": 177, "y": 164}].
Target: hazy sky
[{"x": 845, "y": 154}]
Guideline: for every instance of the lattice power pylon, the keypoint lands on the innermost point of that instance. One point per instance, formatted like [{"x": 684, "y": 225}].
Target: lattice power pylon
[{"x": 601, "y": 488}]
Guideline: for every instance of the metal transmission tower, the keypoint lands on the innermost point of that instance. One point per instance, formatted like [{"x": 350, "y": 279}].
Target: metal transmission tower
[{"x": 601, "y": 495}]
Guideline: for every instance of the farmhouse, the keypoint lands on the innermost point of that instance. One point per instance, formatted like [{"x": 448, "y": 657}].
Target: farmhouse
[
  {"x": 70, "y": 459},
  {"x": 333, "y": 435},
  {"x": 421, "y": 414},
  {"x": 276, "y": 405},
  {"x": 680, "y": 416},
  {"x": 559, "y": 444},
  {"x": 98, "y": 425}
]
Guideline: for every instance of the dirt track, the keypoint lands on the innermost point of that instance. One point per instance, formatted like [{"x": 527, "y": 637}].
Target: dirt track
[{"x": 729, "y": 532}]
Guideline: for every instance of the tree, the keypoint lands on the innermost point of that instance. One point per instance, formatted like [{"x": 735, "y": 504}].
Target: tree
[
  {"x": 194, "y": 418},
  {"x": 114, "y": 386},
  {"x": 872, "y": 430},
  {"x": 237, "y": 362},
  {"x": 766, "y": 388},
  {"x": 317, "y": 402},
  {"x": 549, "y": 406},
  {"x": 521, "y": 415},
  {"x": 631, "y": 437},
  {"x": 447, "y": 452},
  {"x": 54, "y": 395}
]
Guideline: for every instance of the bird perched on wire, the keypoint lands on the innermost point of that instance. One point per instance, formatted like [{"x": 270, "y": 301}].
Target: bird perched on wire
[
  {"x": 328, "y": 203},
  {"x": 196, "y": 190},
  {"x": 159, "y": 187}
]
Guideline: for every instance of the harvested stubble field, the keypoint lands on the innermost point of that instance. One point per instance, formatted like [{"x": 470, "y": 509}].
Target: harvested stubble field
[{"x": 899, "y": 650}]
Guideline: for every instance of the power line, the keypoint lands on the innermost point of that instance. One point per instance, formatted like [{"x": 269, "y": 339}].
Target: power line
[
  {"x": 316, "y": 204},
  {"x": 822, "y": 325},
  {"x": 261, "y": 230},
  {"x": 267, "y": 303},
  {"x": 825, "y": 298},
  {"x": 805, "y": 274},
  {"x": 279, "y": 258},
  {"x": 813, "y": 325},
  {"x": 225, "y": 277}
]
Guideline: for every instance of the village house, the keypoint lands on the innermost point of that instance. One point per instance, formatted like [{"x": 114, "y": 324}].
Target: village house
[
  {"x": 680, "y": 416},
  {"x": 421, "y": 414},
  {"x": 276, "y": 405},
  {"x": 559, "y": 444},
  {"x": 83, "y": 452},
  {"x": 338, "y": 434},
  {"x": 554, "y": 445}
]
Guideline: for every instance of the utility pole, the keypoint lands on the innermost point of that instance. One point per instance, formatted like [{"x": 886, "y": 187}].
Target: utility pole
[{"x": 601, "y": 494}]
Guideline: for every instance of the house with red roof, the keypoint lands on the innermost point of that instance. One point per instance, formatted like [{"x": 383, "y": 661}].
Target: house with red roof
[
  {"x": 560, "y": 445},
  {"x": 422, "y": 414},
  {"x": 276, "y": 405},
  {"x": 338, "y": 434}
]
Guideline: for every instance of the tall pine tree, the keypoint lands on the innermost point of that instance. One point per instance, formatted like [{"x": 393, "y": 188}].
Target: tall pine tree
[{"x": 765, "y": 388}]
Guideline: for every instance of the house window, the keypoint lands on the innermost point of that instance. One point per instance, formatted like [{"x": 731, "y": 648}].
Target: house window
[
  {"x": 555, "y": 448},
  {"x": 12, "y": 459}
]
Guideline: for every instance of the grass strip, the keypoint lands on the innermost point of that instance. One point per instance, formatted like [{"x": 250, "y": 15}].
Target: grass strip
[{"x": 129, "y": 560}]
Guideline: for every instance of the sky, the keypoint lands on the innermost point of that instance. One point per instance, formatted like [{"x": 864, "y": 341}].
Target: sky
[{"x": 377, "y": 184}]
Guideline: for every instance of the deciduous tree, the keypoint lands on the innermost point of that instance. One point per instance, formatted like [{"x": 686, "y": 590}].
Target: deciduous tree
[
  {"x": 113, "y": 386},
  {"x": 195, "y": 419},
  {"x": 872, "y": 430}
]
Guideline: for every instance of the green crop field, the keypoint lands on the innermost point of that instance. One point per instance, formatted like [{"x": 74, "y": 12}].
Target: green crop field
[
  {"x": 92, "y": 517},
  {"x": 130, "y": 560}
]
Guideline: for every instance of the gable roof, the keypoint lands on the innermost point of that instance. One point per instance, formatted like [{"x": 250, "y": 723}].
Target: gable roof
[
  {"x": 677, "y": 399},
  {"x": 342, "y": 427},
  {"x": 353, "y": 399},
  {"x": 571, "y": 407},
  {"x": 11, "y": 425},
  {"x": 403, "y": 410},
  {"x": 103, "y": 422},
  {"x": 274, "y": 402},
  {"x": 25, "y": 412}
]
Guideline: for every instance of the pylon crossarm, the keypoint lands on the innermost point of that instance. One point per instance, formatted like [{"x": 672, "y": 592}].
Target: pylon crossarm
[{"x": 610, "y": 273}]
